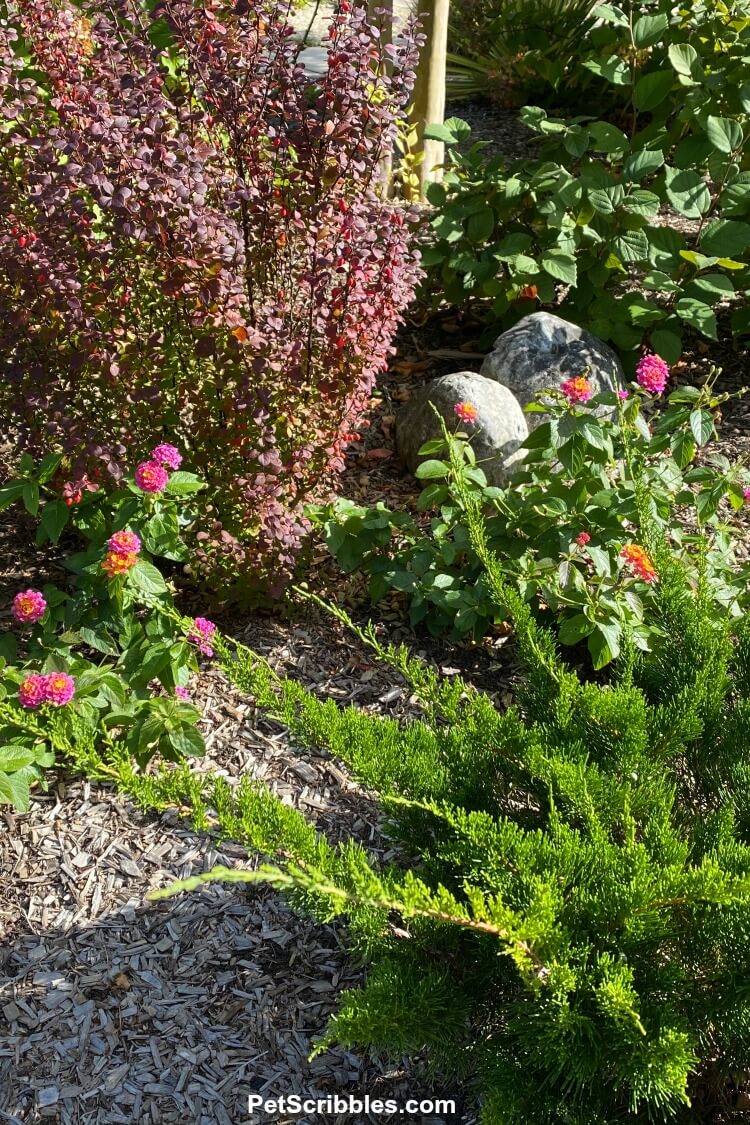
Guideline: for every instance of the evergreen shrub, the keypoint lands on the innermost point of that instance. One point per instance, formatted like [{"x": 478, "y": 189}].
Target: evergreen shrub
[{"x": 573, "y": 936}]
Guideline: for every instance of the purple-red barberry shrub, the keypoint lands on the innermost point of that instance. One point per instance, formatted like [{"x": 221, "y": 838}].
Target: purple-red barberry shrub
[{"x": 193, "y": 248}]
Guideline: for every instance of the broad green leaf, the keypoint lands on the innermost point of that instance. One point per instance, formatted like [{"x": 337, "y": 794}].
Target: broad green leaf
[
  {"x": 724, "y": 133},
  {"x": 698, "y": 315},
  {"x": 725, "y": 237},
  {"x": 54, "y": 517},
  {"x": 429, "y": 470},
  {"x": 15, "y": 757},
  {"x": 641, "y": 202},
  {"x": 451, "y": 132},
  {"x": 683, "y": 448},
  {"x": 14, "y": 790},
  {"x": 561, "y": 265},
  {"x": 574, "y": 629},
  {"x": 710, "y": 287},
  {"x": 687, "y": 192},
  {"x": 667, "y": 344},
  {"x": 606, "y": 200},
  {"x": 610, "y": 13},
  {"x": 480, "y": 226},
  {"x": 10, "y": 493},
  {"x": 607, "y": 138},
  {"x": 684, "y": 59},
  {"x": 641, "y": 164},
  {"x": 30, "y": 496},
  {"x": 146, "y": 578},
  {"x": 188, "y": 741},
  {"x": 631, "y": 246},
  {"x": 652, "y": 89},
  {"x": 183, "y": 484},
  {"x": 47, "y": 467},
  {"x": 8, "y": 647},
  {"x": 649, "y": 30},
  {"x": 702, "y": 425},
  {"x": 604, "y": 643},
  {"x": 735, "y": 198}
]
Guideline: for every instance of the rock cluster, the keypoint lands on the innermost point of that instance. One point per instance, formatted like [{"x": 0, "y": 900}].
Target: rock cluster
[{"x": 538, "y": 353}]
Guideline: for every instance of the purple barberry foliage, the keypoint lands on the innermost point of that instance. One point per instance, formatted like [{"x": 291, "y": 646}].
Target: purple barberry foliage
[{"x": 204, "y": 259}]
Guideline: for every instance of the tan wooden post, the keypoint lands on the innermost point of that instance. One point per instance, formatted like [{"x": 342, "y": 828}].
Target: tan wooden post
[{"x": 429, "y": 89}]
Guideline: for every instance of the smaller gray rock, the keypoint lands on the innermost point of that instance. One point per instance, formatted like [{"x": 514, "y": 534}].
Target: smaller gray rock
[
  {"x": 499, "y": 430},
  {"x": 542, "y": 351}
]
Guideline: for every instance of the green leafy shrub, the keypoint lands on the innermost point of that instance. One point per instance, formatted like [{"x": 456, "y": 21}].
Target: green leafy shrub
[
  {"x": 104, "y": 655},
  {"x": 560, "y": 527},
  {"x": 588, "y": 215},
  {"x": 573, "y": 938}
]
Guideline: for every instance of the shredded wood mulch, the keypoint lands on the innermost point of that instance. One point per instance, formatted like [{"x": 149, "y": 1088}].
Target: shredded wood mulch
[{"x": 116, "y": 1009}]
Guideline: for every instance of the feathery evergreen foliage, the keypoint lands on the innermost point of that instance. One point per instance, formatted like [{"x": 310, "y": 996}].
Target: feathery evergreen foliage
[{"x": 575, "y": 933}]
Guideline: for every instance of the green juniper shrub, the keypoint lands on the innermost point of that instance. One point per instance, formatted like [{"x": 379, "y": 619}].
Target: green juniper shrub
[
  {"x": 103, "y": 654},
  {"x": 586, "y": 217},
  {"x": 563, "y": 527},
  {"x": 573, "y": 937}
]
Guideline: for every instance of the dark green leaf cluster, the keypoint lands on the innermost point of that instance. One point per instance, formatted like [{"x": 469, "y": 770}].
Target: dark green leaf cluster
[
  {"x": 588, "y": 211},
  {"x": 561, "y": 524}
]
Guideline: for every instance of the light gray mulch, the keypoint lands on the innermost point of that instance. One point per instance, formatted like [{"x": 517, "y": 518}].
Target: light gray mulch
[{"x": 116, "y": 1009}]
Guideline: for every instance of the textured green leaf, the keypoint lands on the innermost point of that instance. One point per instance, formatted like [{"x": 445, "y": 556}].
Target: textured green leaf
[
  {"x": 725, "y": 237},
  {"x": 687, "y": 192},
  {"x": 561, "y": 265},
  {"x": 724, "y": 133},
  {"x": 698, "y": 315},
  {"x": 649, "y": 30},
  {"x": 641, "y": 164}
]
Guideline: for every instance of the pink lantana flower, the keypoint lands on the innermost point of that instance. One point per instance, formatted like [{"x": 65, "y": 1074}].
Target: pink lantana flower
[
  {"x": 466, "y": 411},
  {"x": 32, "y": 692},
  {"x": 116, "y": 563},
  {"x": 182, "y": 693},
  {"x": 201, "y": 634},
  {"x": 623, "y": 394},
  {"x": 29, "y": 607},
  {"x": 60, "y": 688},
  {"x": 124, "y": 543},
  {"x": 150, "y": 476},
  {"x": 577, "y": 389},
  {"x": 583, "y": 538},
  {"x": 652, "y": 373},
  {"x": 167, "y": 455}
]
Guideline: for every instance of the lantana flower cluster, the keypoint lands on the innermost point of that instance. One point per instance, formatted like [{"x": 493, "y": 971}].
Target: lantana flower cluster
[
  {"x": 638, "y": 560},
  {"x": 652, "y": 373},
  {"x": 466, "y": 411},
  {"x": 152, "y": 475},
  {"x": 122, "y": 553},
  {"x": 577, "y": 389},
  {"x": 29, "y": 606},
  {"x": 57, "y": 688}
]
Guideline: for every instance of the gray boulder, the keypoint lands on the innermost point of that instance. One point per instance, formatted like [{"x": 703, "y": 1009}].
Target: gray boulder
[
  {"x": 542, "y": 351},
  {"x": 496, "y": 435}
]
